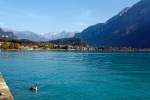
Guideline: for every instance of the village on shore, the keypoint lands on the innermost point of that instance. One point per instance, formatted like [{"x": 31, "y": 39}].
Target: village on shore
[{"x": 27, "y": 45}]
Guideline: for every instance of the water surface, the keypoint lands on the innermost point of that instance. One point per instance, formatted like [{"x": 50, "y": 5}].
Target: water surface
[{"x": 77, "y": 75}]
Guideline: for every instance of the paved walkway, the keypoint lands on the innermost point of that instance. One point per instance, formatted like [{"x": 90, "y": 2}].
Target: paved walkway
[{"x": 5, "y": 93}]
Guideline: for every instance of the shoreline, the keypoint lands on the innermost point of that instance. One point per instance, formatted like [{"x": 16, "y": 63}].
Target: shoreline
[
  {"x": 69, "y": 50},
  {"x": 27, "y": 45},
  {"x": 5, "y": 93}
]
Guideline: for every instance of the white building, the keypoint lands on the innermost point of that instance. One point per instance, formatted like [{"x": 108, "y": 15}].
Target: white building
[{"x": 26, "y": 48}]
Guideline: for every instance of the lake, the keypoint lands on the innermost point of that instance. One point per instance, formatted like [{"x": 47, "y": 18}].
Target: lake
[{"x": 64, "y": 75}]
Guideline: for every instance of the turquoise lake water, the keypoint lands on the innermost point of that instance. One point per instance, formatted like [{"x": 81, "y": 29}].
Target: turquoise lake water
[{"x": 77, "y": 75}]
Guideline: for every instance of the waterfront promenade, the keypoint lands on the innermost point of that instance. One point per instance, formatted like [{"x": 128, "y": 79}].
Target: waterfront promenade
[{"x": 5, "y": 93}]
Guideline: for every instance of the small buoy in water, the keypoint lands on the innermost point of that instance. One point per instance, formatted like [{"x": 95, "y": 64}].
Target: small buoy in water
[{"x": 34, "y": 88}]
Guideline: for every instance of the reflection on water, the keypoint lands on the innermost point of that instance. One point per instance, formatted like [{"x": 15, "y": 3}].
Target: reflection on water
[{"x": 77, "y": 75}]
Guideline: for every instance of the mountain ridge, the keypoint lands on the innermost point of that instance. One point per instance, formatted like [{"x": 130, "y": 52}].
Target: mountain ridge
[
  {"x": 40, "y": 37},
  {"x": 130, "y": 27}
]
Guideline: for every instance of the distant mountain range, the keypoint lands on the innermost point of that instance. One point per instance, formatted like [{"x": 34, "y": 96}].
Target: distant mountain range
[
  {"x": 28, "y": 35},
  {"x": 54, "y": 35},
  {"x": 129, "y": 28},
  {"x": 4, "y": 34},
  {"x": 40, "y": 37}
]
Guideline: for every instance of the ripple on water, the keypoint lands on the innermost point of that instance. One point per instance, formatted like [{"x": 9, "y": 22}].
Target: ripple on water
[{"x": 77, "y": 75}]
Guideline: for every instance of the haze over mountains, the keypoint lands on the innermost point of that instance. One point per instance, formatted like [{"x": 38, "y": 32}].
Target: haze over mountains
[
  {"x": 55, "y": 35},
  {"x": 130, "y": 28},
  {"x": 40, "y": 37}
]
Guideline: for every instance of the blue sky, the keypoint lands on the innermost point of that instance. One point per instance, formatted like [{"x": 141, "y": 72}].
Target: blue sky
[{"x": 57, "y": 15}]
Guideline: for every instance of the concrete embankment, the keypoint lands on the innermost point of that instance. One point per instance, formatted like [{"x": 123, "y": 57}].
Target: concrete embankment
[{"x": 5, "y": 93}]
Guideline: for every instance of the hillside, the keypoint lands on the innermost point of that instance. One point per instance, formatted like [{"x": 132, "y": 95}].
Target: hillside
[
  {"x": 68, "y": 41},
  {"x": 129, "y": 28}
]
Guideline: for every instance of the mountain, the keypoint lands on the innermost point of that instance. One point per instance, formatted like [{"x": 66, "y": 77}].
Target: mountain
[
  {"x": 8, "y": 34},
  {"x": 55, "y": 36},
  {"x": 29, "y": 35},
  {"x": 43, "y": 37},
  {"x": 40, "y": 37},
  {"x": 129, "y": 28},
  {"x": 68, "y": 41}
]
